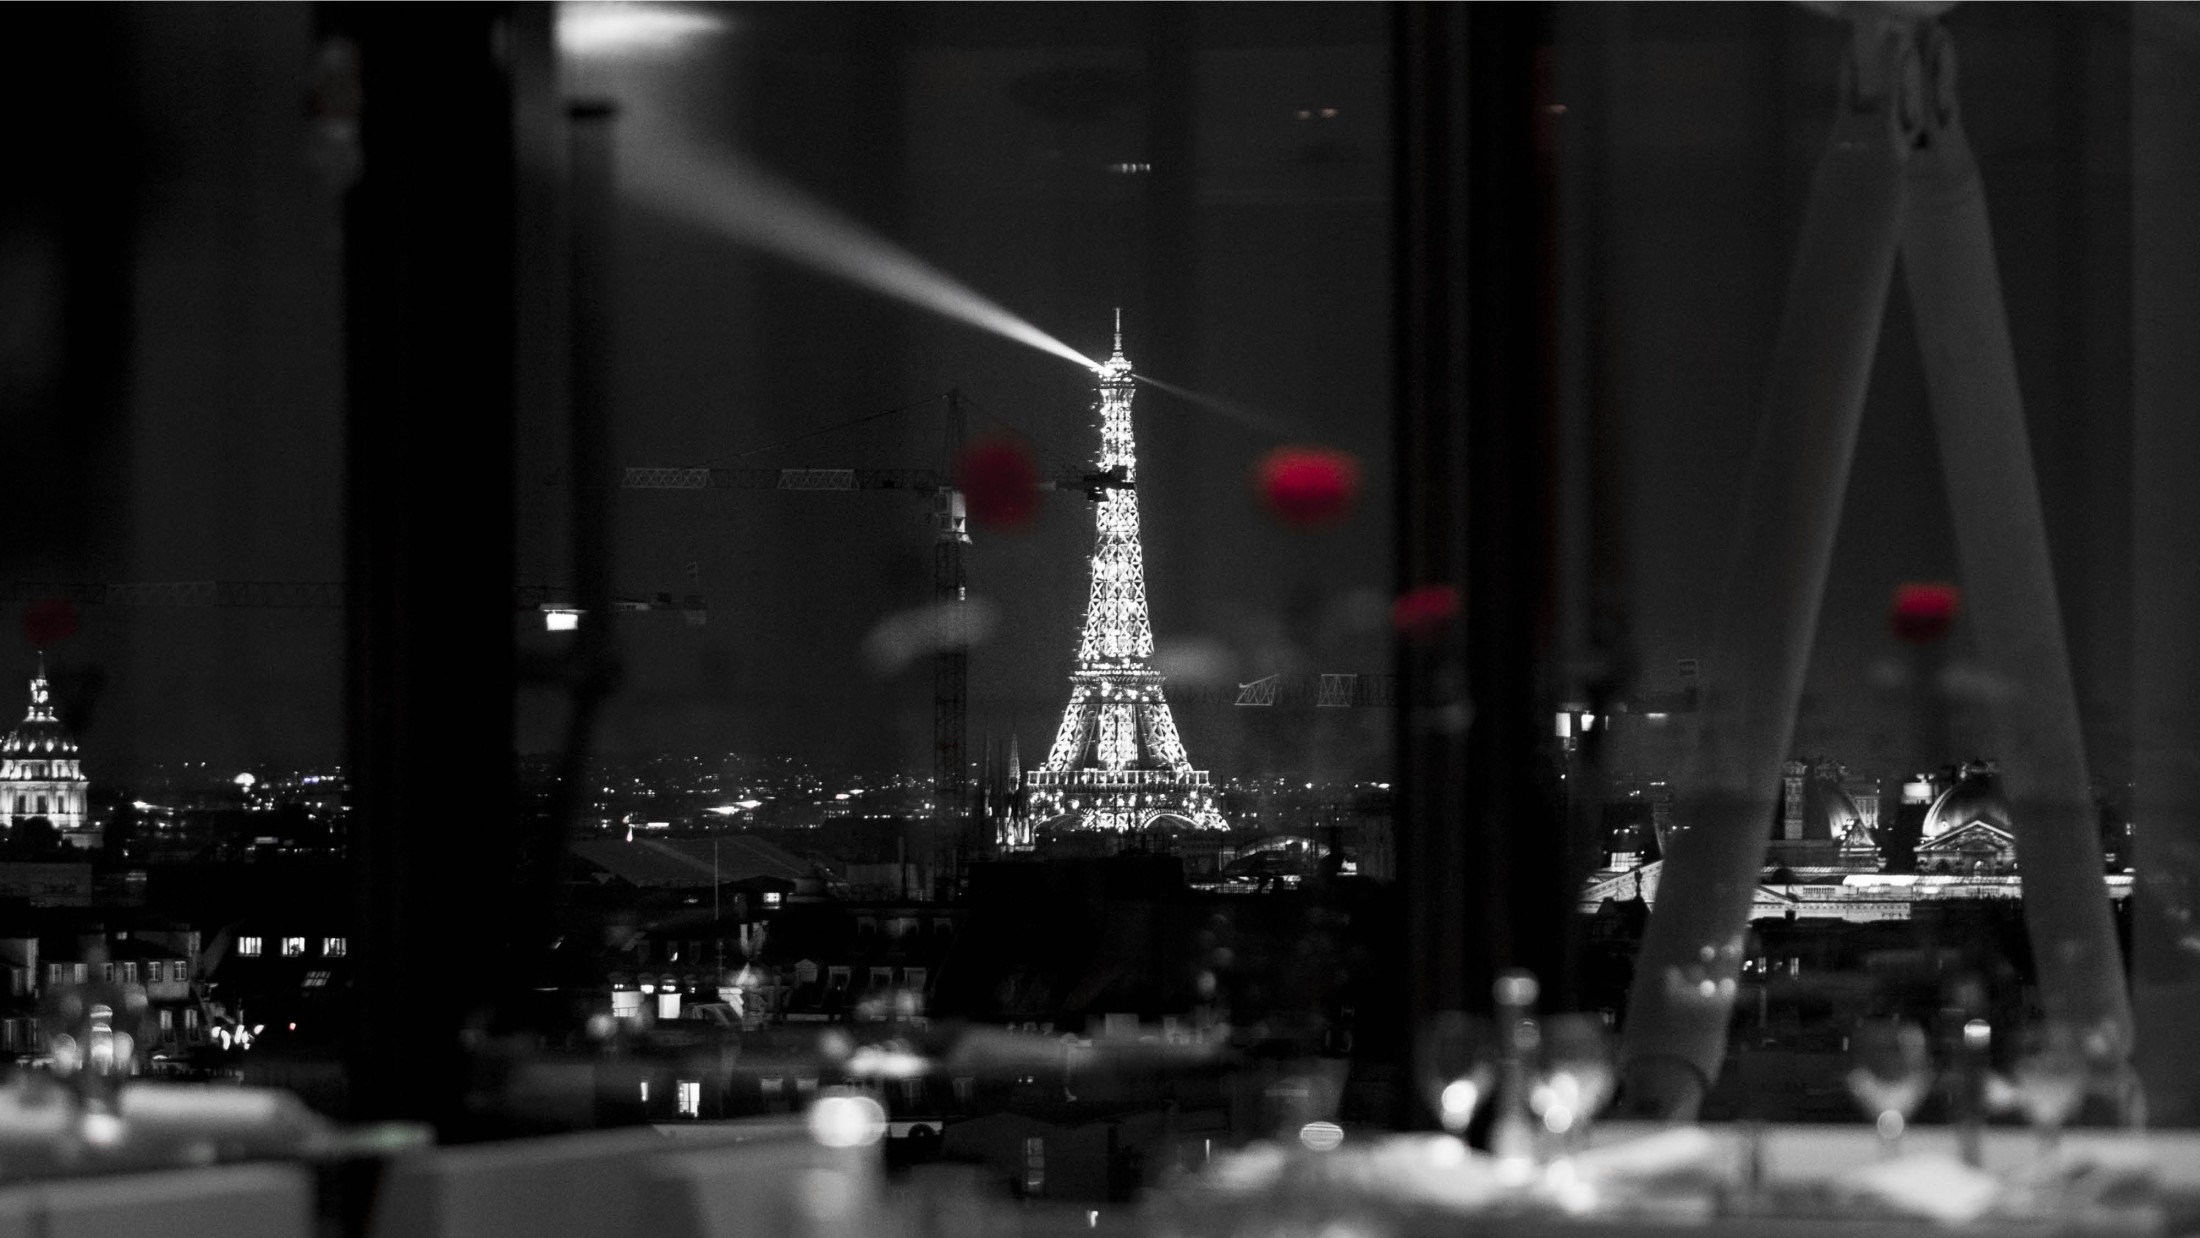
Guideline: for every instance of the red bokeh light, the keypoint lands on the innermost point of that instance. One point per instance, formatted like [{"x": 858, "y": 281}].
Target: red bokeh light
[
  {"x": 1422, "y": 614},
  {"x": 49, "y": 621},
  {"x": 1308, "y": 487},
  {"x": 1000, "y": 484},
  {"x": 1923, "y": 612}
]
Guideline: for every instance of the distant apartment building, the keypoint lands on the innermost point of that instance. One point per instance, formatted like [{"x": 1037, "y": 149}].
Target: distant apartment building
[{"x": 114, "y": 951}]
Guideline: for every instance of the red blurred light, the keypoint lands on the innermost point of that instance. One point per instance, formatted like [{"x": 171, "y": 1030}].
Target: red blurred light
[
  {"x": 1923, "y": 612},
  {"x": 1308, "y": 487},
  {"x": 1422, "y": 614},
  {"x": 49, "y": 621},
  {"x": 1000, "y": 484}
]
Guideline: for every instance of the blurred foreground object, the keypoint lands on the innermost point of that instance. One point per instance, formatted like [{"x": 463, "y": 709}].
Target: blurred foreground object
[
  {"x": 1000, "y": 483},
  {"x": 1924, "y": 612},
  {"x": 49, "y": 621},
  {"x": 1898, "y": 175},
  {"x": 1308, "y": 488},
  {"x": 1723, "y": 1181}
]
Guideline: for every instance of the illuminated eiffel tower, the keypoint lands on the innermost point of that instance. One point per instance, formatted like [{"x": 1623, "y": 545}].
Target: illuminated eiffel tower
[{"x": 1117, "y": 765}]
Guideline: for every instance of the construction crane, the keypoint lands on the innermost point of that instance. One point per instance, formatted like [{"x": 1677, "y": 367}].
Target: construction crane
[
  {"x": 558, "y": 605},
  {"x": 1343, "y": 690},
  {"x": 951, "y": 672}
]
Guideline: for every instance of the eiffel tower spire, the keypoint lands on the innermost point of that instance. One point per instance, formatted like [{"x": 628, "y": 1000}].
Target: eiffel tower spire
[{"x": 1117, "y": 764}]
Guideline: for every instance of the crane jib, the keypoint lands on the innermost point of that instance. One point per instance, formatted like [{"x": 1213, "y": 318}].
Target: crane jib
[{"x": 817, "y": 479}]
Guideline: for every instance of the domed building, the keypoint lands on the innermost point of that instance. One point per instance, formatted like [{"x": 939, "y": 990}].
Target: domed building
[
  {"x": 1967, "y": 830},
  {"x": 41, "y": 774},
  {"x": 1827, "y": 817}
]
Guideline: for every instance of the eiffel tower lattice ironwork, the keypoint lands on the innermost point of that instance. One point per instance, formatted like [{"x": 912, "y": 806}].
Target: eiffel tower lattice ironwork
[{"x": 1117, "y": 765}]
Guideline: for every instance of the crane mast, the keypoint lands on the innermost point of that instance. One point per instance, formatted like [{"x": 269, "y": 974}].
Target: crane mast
[{"x": 951, "y": 667}]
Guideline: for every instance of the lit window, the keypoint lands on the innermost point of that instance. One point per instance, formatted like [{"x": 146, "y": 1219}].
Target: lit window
[
  {"x": 167, "y": 1019},
  {"x": 191, "y": 1017},
  {"x": 129, "y": 973},
  {"x": 691, "y": 1098},
  {"x": 771, "y": 898},
  {"x": 249, "y": 947},
  {"x": 293, "y": 947},
  {"x": 1035, "y": 1163},
  {"x": 316, "y": 978},
  {"x": 645, "y": 1091},
  {"x": 333, "y": 947}
]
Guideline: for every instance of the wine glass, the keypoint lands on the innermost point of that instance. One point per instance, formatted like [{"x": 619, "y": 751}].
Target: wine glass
[
  {"x": 2051, "y": 1076},
  {"x": 1575, "y": 1075},
  {"x": 1456, "y": 1060},
  {"x": 1890, "y": 1072},
  {"x": 1299, "y": 1102}
]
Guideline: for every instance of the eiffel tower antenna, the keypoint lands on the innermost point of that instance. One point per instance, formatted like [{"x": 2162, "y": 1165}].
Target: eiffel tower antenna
[{"x": 1117, "y": 765}]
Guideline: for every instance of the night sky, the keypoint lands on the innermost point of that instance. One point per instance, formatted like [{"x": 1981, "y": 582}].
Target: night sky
[{"x": 171, "y": 353}]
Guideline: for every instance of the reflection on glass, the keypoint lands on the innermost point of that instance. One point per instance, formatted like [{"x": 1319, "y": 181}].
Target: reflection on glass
[
  {"x": 2051, "y": 1076},
  {"x": 1575, "y": 1077},
  {"x": 1512, "y": 1132},
  {"x": 1891, "y": 1070},
  {"x": 1457, "y": 1063}
]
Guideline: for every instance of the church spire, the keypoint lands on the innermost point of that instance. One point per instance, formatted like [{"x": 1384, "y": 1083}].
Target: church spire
[{"x": 41, "y": 696}]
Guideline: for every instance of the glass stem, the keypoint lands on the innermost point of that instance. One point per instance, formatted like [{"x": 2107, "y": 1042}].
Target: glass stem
[{"x": 1892, "y": 1127}]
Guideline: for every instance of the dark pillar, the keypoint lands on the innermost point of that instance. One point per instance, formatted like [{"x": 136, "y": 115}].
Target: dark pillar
[
  {"x": 1482, "y": 854},
  {"x": 2165, "y": 594},
  {"x": 429, "y": 271}
]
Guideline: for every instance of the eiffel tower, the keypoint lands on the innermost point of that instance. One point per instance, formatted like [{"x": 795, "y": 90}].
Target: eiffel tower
[{"x": 1117, "y": 765}]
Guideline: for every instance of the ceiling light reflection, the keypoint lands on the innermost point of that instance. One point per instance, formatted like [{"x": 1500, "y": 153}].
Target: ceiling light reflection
[{"x": 614, "y": 29}]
